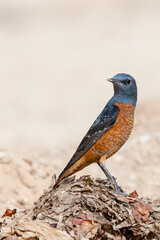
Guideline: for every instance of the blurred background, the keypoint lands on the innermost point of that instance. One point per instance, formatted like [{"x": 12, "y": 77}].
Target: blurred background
[{"x": 55, "y": 57}]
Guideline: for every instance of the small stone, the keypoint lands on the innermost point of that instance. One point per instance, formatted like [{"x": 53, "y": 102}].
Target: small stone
[
  {"x": 2, "y": 154},
  {"x": 40, "y": 216},
  {"x": 144, "y": 138},
  {"x": 23, "y": 201},
  {"x": 132, "y": 177}
]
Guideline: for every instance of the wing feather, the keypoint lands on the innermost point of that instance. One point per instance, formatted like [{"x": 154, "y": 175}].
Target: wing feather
[{"x": 101, "y": 125}]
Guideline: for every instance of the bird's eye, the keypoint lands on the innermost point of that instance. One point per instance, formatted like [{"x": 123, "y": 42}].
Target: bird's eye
[{"x": 127, "y": 82}]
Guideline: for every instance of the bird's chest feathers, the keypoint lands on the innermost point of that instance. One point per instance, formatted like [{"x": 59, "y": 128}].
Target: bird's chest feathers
[
  {"x": 123, "y": 126},
  {"x": 126, "y": 116},
  {"x": 114, "y": 138}
]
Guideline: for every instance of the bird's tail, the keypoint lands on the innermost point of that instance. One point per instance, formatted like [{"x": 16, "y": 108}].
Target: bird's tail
[
  {"x": 71, "y": 169},
  {"x": 64, "y": 174}
]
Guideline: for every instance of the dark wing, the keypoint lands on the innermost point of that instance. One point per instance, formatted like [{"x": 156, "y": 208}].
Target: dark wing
[{"x": 101, "y": 125}]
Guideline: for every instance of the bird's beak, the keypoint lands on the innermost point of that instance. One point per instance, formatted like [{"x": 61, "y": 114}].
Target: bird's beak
[{"x": 113, "y": 80}]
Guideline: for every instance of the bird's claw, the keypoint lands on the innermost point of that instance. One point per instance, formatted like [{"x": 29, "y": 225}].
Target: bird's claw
[{"x": 119, "y": 191}]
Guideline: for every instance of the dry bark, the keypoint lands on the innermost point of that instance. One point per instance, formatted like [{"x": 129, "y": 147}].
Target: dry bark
[{"x": 84, "y": 209}]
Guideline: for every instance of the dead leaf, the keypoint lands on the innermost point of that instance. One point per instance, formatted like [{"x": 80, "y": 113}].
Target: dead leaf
[
  {"x": 133, "y": 194},
  {"x": 141, "y": 211},
  {"x": 79, "y": 220},
  {"x": 122, "y": 198},
  {"x": 88, "y": 229},
  {"x": 9, "y": 213}
]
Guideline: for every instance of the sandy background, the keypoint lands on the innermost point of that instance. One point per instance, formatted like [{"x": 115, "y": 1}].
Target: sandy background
[{"x": 55, "y": 57}]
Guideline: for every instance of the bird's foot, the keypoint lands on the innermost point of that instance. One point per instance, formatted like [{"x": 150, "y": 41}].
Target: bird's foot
[{"x": 118, "y": 189}]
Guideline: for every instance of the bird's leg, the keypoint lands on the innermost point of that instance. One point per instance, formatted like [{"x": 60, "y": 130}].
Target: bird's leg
[{"x": 108, "y": 175}]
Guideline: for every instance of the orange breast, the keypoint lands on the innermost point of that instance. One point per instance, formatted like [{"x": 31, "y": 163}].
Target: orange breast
[
  {"x": 110, "y": 142},
  {"x": 114, "y": 139}
]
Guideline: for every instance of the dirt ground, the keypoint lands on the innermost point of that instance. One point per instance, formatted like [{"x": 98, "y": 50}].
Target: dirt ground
[{"x": 55, "y": 58}]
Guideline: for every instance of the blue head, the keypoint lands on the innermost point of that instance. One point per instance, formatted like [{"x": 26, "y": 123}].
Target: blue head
[{"x": 125, "y": 89}]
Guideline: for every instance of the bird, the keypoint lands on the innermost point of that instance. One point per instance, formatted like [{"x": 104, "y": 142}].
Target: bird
[{"x": 109, "y": 131}]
